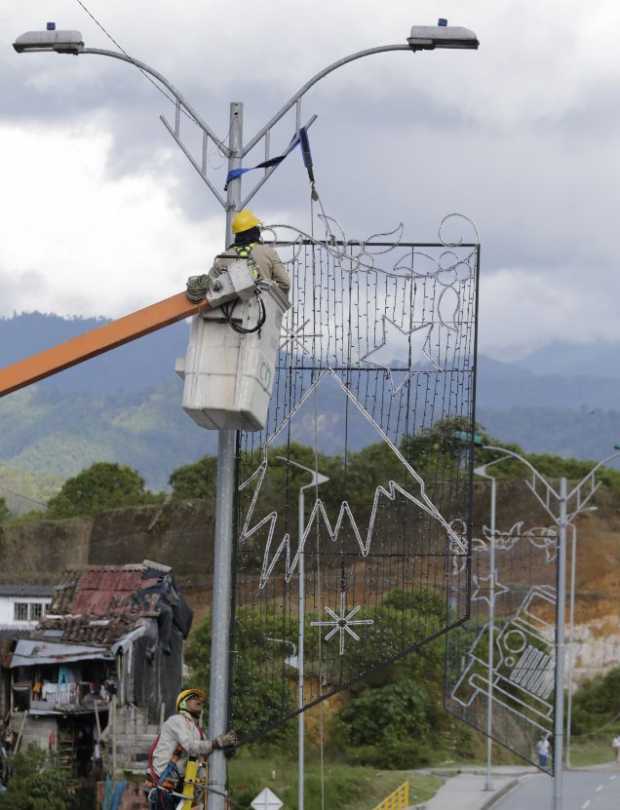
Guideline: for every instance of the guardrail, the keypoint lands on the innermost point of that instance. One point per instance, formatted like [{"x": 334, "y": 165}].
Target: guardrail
[{"x": 397, "y": 800}]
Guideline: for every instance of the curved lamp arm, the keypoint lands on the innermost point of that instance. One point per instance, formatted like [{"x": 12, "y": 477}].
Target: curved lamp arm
[
  {"x": 311, "y": 82},
  {"x": 170, "y": 87},
  {"x": 531, "y": 468}
]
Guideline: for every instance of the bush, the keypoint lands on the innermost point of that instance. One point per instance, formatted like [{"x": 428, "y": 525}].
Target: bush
[
  {"x": 597, "y": 702},
  {"x": 394, "y": 726},
  {"x": 37, "y": 783}
]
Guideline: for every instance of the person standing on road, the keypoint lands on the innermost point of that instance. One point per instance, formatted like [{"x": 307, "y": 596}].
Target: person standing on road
[
  {"x": 543, "y": 749},
  {"x": 615, "y": 744}
]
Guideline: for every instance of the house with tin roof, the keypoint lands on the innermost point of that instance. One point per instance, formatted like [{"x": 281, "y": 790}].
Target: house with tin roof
[{"x": 102, "y": 664}]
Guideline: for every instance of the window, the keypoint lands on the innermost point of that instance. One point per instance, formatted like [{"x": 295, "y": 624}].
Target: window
[
  {"x": 20, "y": 611},
  {"x": 36, "y": 611}
]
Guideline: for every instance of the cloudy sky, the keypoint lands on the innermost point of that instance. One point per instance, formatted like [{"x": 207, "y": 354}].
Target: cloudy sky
[{"x": 102, "y": 213}]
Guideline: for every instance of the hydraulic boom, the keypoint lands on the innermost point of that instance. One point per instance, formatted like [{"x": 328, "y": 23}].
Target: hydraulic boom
[{"x": 97, "y": 341}]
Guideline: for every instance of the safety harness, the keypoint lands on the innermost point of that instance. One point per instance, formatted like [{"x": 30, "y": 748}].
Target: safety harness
[{"x": 245, "y": 252}]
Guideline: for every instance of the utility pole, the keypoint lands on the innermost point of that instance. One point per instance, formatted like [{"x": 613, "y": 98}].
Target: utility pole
[{"x": 223, "y": 546}]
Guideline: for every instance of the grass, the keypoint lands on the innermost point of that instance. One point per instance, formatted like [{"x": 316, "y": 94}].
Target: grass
[
  {"x": 591, "y": 751},
  {"x": 346, "y": 787}
]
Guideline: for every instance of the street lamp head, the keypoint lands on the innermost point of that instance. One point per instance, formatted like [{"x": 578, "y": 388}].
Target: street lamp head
[
  {"x": 429, "y": 37},
  {"x": 50, "y": 40}
]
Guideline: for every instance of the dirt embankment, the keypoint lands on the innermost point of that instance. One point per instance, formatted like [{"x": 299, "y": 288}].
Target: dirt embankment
[{"x": 181, "y": 535}]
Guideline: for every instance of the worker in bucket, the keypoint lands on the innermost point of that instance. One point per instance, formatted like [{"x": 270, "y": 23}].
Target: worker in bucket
[
  {"x": 181, "y": 743},
  {"x": 263, "y": 260}
]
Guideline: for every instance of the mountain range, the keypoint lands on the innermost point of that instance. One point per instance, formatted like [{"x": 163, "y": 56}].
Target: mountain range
[{"x": 124, "y": 407}]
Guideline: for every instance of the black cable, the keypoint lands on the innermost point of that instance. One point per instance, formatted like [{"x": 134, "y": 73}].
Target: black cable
[{"x": 228, "y": 310}]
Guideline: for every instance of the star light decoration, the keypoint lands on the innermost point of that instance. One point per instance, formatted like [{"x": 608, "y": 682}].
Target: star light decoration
[
  {"x": 390, "y": 347},
  {"x": 483, "y": 593},
  {"x": 341, "y": 623}
]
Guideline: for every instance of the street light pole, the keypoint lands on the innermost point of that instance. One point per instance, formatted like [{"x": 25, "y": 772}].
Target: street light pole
[
  {"x": 571, "y": 651},
  {"x": 579, "y": 496},
  {"x": 482, "y": 473},
  {"x": 315, "y": 481},
  {"x": 558, "y": 719},
  {"x": 72, "y": 42}
]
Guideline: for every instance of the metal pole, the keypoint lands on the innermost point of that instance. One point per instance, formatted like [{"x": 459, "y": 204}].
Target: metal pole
[
  {"x": 558, "y": 731},
  {"x": 488, "y": 783},
  {"x": 114, "y": 721},
  {"x": 222, "y": 562},
  {"x": 300, "y": 656},
  {"x": 571, "y": 651}
]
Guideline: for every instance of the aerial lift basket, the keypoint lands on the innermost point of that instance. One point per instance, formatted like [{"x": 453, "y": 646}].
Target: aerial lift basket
[{"x": 228, "y": 376}]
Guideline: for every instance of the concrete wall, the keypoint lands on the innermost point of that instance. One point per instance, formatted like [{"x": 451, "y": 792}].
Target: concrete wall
[
  {"x": 37, "y": 730},
  {"x": 39, "y": 552},
  {"x": 179, "y": 535}
]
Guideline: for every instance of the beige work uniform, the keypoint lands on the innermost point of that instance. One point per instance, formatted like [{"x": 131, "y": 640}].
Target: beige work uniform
[
  {"x": 180, "y": 729},
  {"x": 268, "y": 264}
]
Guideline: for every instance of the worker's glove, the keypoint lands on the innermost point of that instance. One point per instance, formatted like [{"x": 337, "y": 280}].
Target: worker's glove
[{"x": 228, "y": 740}]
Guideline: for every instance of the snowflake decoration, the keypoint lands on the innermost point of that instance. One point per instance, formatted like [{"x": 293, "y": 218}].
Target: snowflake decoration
[
  {"x": 296, "y": 337},
  {"x": 341, "y": 623}
]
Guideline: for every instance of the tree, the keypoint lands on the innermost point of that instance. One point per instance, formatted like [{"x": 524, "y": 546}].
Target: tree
[
  {"x": 102, "y": 486},
  {"x": 195, "y": 480},
  {"x": 254, "y": 695}
]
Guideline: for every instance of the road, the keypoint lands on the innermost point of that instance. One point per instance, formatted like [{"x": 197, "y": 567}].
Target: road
[{"x": 583, "y": 790}]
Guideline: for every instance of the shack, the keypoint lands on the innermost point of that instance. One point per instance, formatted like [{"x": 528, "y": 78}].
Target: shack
[{"x": 103, "y": 664}]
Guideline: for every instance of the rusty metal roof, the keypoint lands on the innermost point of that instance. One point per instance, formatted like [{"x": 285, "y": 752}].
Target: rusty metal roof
[{"x": 101, "y": 604}]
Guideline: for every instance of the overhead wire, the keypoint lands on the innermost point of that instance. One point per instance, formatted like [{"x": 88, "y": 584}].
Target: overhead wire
[{"x": 150, "y": 79}]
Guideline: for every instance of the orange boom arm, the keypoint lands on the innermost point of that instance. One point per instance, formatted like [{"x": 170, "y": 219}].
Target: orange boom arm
[{"x": 97, "y": 341}]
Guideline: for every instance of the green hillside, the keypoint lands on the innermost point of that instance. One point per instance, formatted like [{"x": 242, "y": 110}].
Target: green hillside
[
  {"x": 26, "y": 491},
  {"x": 50, "y": 436}
]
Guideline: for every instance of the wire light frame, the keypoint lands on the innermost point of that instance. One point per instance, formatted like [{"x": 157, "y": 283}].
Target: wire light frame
[
  {"x": 353, "y": 504},
  {"x": 523, "y": 588}
]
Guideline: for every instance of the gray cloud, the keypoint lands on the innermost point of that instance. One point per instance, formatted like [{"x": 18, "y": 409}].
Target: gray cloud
[{"x": 519, "y": 136}]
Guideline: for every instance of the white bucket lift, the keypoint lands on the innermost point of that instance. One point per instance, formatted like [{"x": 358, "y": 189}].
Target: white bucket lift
[{"x": 228, "y": 376}]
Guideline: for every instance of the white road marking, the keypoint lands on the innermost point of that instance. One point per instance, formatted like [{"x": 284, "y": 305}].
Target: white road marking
[
  {"x": 599, "y": 788},
  {"x": 612, "y": 778},
  {"x": 585, "y": 804}
]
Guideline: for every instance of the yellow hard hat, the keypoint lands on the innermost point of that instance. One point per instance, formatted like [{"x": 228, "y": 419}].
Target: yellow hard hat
[
  {"x": 187, "y": 693},
  {"x": 244, "y": 220}
]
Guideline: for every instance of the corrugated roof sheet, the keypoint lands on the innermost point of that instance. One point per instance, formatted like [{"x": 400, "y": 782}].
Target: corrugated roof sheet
[{"x": 29, "y": 653}]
